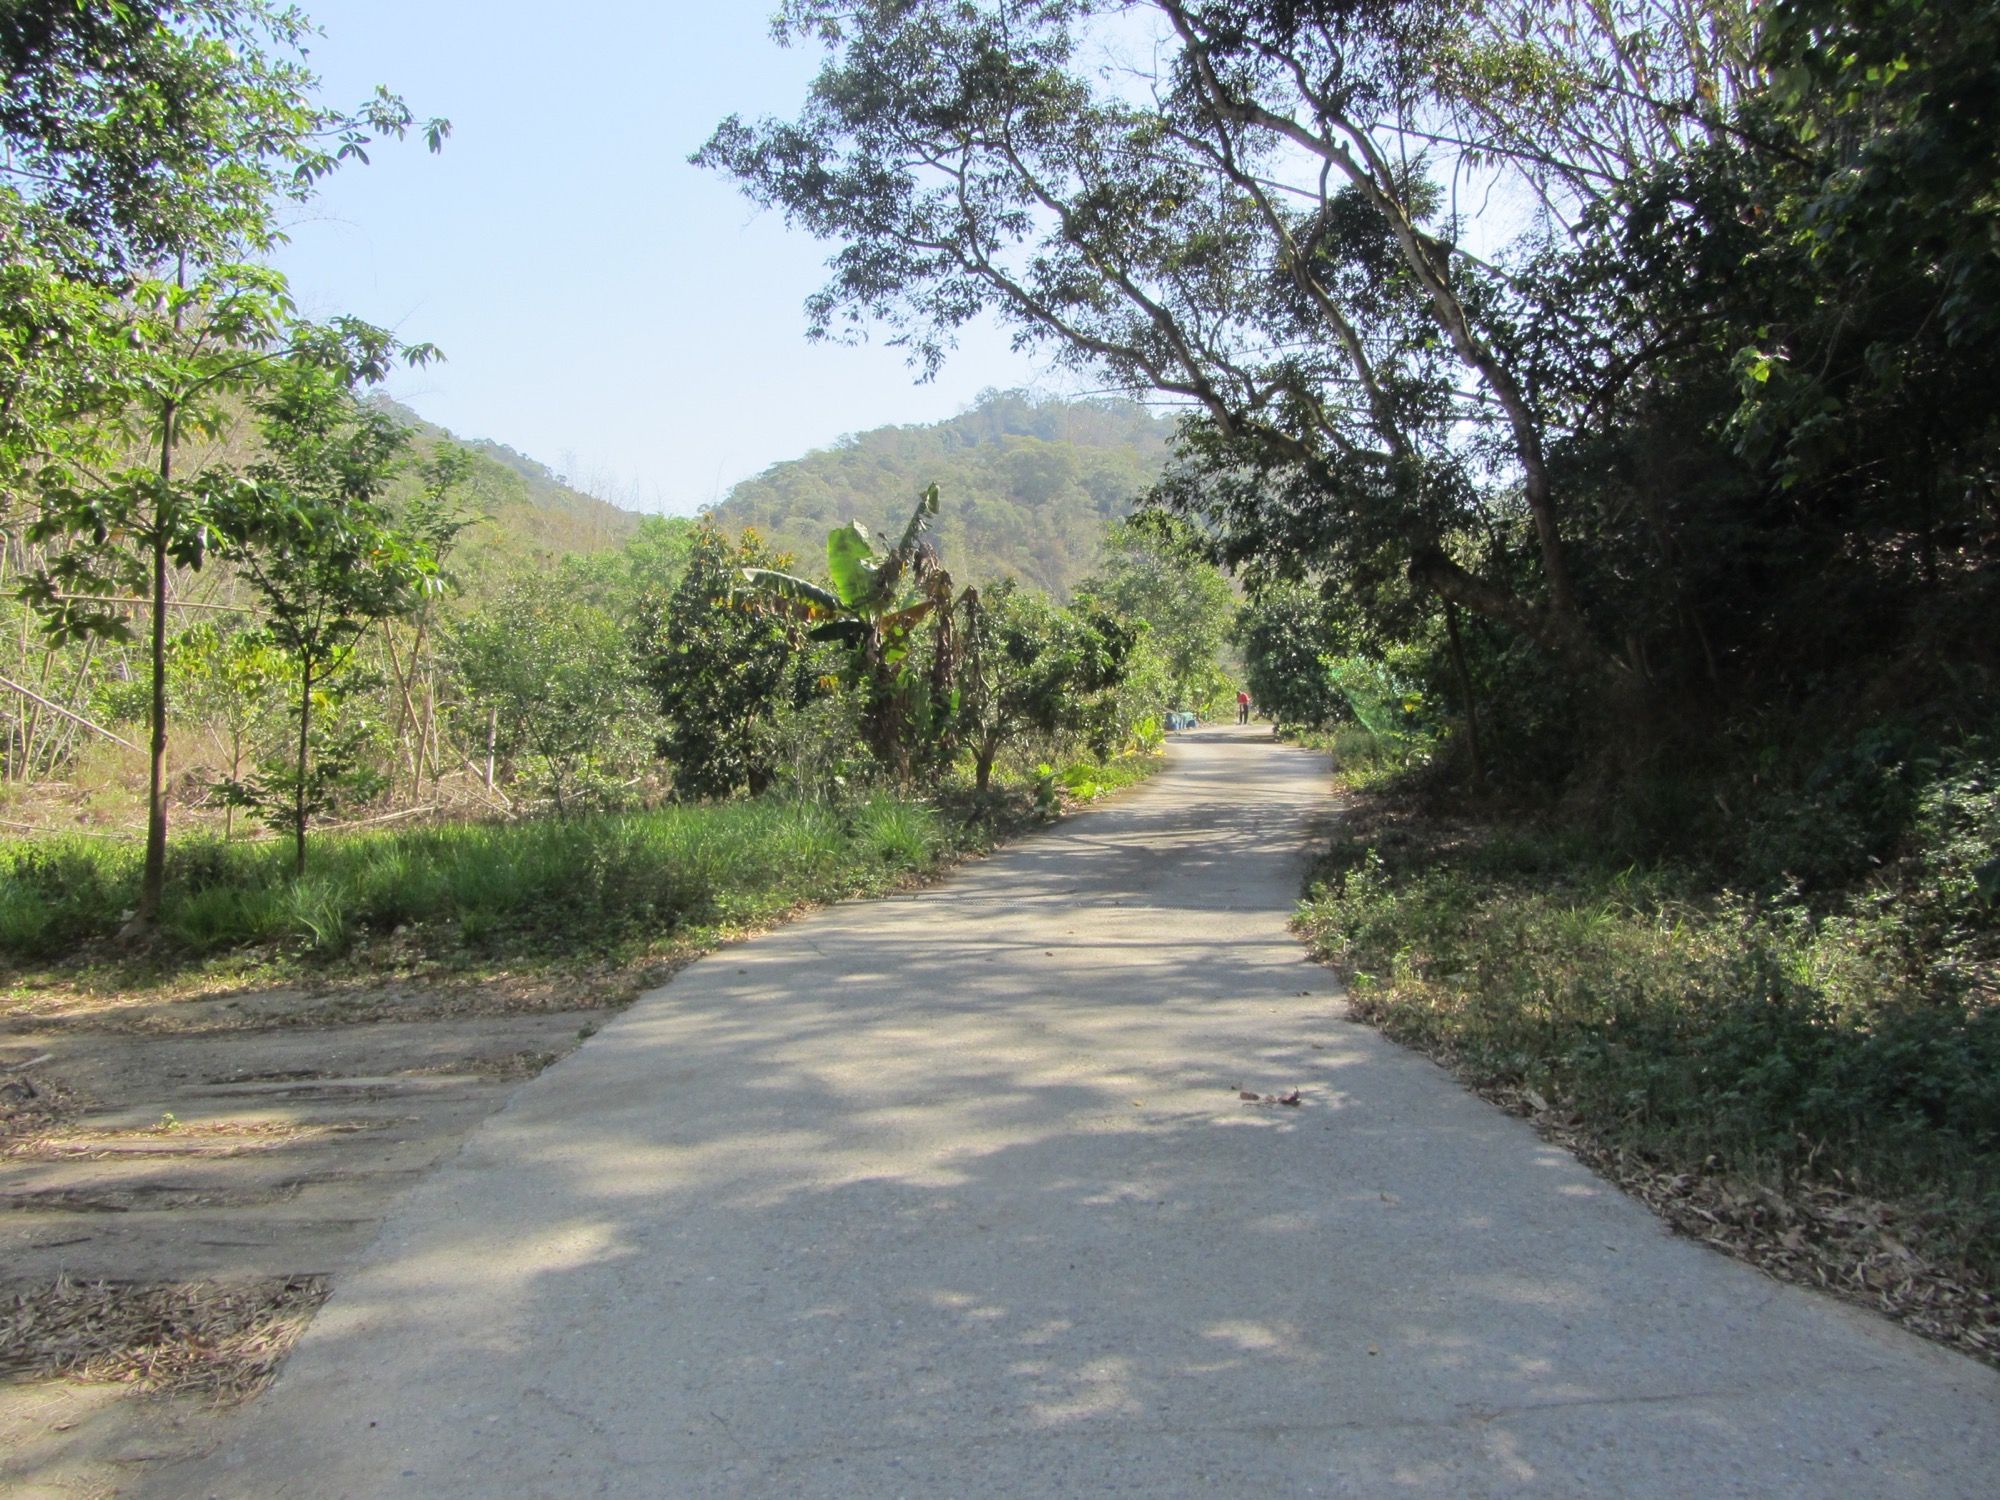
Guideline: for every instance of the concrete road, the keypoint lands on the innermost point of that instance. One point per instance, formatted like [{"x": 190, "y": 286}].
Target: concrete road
[{"x": 953, "y": 1195}]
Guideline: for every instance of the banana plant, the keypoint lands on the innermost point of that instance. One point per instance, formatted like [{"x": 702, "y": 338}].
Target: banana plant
[{"x": 875, "y": 605}]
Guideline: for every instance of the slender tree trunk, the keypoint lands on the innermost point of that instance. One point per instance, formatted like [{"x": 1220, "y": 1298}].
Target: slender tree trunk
[
  {"x": 1465, "y": 691},
  {"x": 31, "y": 725},
  {"x": 18, "y": 727},
  {"x": 431, "y": 742},
  {"x": 299, "y": 786},
  {"x": 235, "y": 775},
  {"x": 405, "y": 716},
  {"x": 153, "y": 882},
  {"x": 492, "y": 735}
]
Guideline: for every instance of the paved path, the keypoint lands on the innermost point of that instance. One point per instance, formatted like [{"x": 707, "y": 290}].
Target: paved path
[{"x": 952, "y": 1195}]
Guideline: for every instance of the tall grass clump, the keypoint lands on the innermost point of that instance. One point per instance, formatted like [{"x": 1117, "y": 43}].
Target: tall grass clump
[{"x": 576, "y": 883}]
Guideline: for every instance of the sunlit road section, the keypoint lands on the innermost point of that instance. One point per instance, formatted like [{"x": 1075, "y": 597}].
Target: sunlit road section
[{"x": 955, "y": 1194}]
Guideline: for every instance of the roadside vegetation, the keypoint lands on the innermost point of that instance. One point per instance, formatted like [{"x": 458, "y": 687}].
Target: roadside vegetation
[
  {"x": 586, "y": 887},
  {"x": 638, "y": 768},
  {"x": 1815, "y": 1086}
]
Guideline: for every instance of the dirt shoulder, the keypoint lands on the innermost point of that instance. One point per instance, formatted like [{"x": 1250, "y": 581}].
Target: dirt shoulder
[{"x": 182, "y": 1181}]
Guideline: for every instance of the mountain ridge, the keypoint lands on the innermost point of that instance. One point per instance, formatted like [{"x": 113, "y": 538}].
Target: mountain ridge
[{"x": 1029, "y": 486}]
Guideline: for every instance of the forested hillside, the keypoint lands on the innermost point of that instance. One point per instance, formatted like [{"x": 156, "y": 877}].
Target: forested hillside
[
  {"x": 1029, "y": 485},
  {"x": 531, "y": 514}
]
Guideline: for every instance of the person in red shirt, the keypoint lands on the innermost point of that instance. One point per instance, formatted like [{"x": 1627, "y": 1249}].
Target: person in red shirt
[{"x": 1242, "y": 707}]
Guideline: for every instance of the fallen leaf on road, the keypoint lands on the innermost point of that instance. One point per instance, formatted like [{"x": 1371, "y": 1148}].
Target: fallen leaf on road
[
  {"x": 1292, "y": 1099},
  {"x": 1247, "y": 1096}
]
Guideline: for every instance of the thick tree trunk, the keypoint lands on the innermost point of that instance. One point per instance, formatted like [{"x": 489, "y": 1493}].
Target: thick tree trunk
[{"x": 983, "y": 767}]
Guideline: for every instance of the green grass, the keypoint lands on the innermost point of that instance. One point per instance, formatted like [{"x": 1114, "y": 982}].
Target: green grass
[
  {"x": 585, "y": 884},
  {"x": 1761, "y": 1041},
  {"x": 1087, "y": 780},
  {"x": 1363, "y": 759},
  {"x": 603, "y": 888}
]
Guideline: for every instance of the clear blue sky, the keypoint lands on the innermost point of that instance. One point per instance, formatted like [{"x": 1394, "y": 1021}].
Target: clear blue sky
[{"x": 603, "y": 306}]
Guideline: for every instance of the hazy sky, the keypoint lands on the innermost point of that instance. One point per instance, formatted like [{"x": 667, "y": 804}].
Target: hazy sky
[{"x": 603, "y": 306}]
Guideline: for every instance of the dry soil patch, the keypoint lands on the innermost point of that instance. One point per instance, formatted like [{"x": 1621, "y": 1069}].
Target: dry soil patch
[{"x": 180, "y": 1181}]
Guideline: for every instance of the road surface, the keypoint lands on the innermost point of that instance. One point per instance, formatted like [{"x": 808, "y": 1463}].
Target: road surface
[{"x": 953, "y": 1194}]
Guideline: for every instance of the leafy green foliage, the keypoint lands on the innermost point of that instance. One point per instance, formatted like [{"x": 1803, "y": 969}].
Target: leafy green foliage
[
  {"x": 233, "y": 687},
  {"x": 164, "y": 127},
  {"x": 555, "y": 678},
  {"x": 717, "y": 664},
  {"x": 878, "y": 605},
  {"x": 335, "y": 767},
  {"x": 1380, "y": 701},
  {"x": 594, "y": 883},
  {"x": 310, "y": 537},
  {"x": 1154, "y": 573},
  {"x": 1708, "y": 1033},
  {"x": 148, "y": 148},
  {"x": 1037, "y": 676},
  {"x": 1284, "y": 636}
]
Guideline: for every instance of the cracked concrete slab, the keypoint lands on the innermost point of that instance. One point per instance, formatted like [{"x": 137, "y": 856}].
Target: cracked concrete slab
[{"x": 954, "y": 1193}]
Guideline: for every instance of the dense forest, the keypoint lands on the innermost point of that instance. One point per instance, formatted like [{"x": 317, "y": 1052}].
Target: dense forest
[{"x": 1585, "y": 426}]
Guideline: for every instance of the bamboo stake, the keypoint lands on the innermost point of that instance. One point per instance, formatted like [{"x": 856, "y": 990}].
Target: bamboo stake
[
  {"x": 408, "y": 714},
  {"x": 8, "y": 682}
]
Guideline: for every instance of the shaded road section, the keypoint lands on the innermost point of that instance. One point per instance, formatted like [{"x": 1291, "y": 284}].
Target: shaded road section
[{"x": 954, "y": 1194}]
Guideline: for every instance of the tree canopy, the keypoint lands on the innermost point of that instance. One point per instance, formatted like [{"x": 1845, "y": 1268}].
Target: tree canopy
[{"x": 1651, "y": 337}]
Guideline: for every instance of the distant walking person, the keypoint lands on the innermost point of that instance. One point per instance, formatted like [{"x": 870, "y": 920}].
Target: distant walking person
[{"x": 1242, "y": 707}]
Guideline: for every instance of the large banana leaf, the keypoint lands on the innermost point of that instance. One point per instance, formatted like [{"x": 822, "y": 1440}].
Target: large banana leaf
[
  {"x": 913, "y": 555},
  {"x": 920, "y": 522},
  {"x": 850, "y": 562}
]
